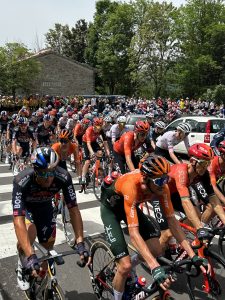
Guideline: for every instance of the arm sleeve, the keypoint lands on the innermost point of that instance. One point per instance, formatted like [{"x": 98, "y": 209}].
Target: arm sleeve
[
  {"x": 212, "y": 171},
  {"x": 128, "y": 140},
  {"x": 18, "y": 197},
  {"x": 166, "y": 202}
]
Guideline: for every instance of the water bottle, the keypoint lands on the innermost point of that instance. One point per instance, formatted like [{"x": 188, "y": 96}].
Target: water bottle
[
  {"x": 107, "y": 181},
  {"x": 140, "y": 282}
]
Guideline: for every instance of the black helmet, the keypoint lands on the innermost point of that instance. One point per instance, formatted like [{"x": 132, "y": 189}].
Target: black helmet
[{"x": 44, "y": 158}]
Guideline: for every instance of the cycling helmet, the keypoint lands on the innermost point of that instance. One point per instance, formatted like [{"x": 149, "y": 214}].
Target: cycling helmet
[
  {"x": 66, "y": 134},
  {"x": 34, "y": 114},
  {"x": 154, "y": 166},
  {"x": 185, "y": 127},
  {"x": 108, "y": 119},
  {"x": 61, "y": 110},
  {"x": 4, "y": 113},
  {"x": 160, "y": 124},
  {"x": 14, "y": 116},
  {"x": 201, "y": 151},
  {"x": 22, "y": 120},
  {"x": 141, "y": 126},
  {"x": 65, "y": 115},
  {"x": 98, "y": 122},
  {"x": 85, "y": 122},
  {"x": 44, "y": 158},
  {"x": 221, "y": 147},
  {"x": 47, "y": 118},
  {"x": 121, "y": 119}
]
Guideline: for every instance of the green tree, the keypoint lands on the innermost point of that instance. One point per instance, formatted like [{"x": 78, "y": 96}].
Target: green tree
[
  {"x": 17, "y": 71},
  {"x": 56, "y": 38},
  {"x": 155, "y": 45}
]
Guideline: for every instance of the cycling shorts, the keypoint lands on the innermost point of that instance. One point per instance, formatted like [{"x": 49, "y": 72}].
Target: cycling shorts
[
  {"x": 44, "y": 218},
  {"x": 62, "y": 164},
  {"x": 95, "y": 146},
  {"x": 120, "y": 162}
]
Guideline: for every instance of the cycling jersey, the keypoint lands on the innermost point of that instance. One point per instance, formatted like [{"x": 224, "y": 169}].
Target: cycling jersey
[
  {"x": 27, "y": 194},
  {"x": 23, "y": 138},
  {"x": 218, "y": 137},
  {"x": 215, "y": 170},
  {"x": 91, "y": 136},
  {"x": 10, "y": 128},
  {"x": 115, "y": 133},
  {"x": 126, "y": 144},
  {"x": 64, "y": 154},
  {"x": 168, "y": 140},
  {"x": 78, "y": 132},
  {"x": 43, "y": 134},
  {"x": 3, "y": 124},
  {"x": 128, "y": 190}
]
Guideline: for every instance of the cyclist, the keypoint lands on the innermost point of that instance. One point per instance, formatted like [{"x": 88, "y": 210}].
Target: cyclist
[
  {"x": 195, "y": 175},
  {"x": 217, "y": 170},
  {"x": 21, "y": 138},
  {"x": 45, "y": 131},
  {"x": 218, "y": 137},
  {"x": 90, "y": 145},
  {"x": 118, "y": 129},
  {"x": 34, "y": 121},
  {"x": 33, "y": 190},
  {"x": 156, "y": 132},
  {"x": 167, "y": 141},
  {"x": 10, "y": 127},
  {"x": 79, "y": 131},
  {"x": 4, "y": 119},
  {"x": 119, "y": 201},
  {"x": 65, "y": 148},
  {"x": 123, "y": 149}
]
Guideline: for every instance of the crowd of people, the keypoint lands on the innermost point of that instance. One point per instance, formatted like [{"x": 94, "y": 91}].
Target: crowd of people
[{"x": 48, "y": 135}]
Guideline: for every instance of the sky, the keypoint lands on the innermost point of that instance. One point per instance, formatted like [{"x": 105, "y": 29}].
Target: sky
[{"x": 27, "y": 21}]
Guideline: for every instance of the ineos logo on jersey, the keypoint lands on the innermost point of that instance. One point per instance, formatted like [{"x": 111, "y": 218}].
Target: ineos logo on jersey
[
  {"x": 201, "y": 190},
  {"x": 17, "y": 200},
  {"x": 181, "y": 176},
  {"x": 157, "y": 211}
]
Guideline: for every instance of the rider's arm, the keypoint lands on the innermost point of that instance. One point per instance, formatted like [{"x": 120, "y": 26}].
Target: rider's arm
[
  {"x": 217, "y": 206},
  {"x": 91, "y": 151},
  {"x": 128, "y": 141},
  {"x": 212, "y": 171},
  {"x": 19, "y": 219},
  {"x": 173, "y": 156}
]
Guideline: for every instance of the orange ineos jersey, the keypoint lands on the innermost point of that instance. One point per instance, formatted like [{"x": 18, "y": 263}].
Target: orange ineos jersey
[
  {"x": 130, "y": 187},
  {"x": 215, "y": 170},
  {"x": 64, "y": 155},
  {"x": 179, "y": 180},
  {"x": 90, "y": 135},
  {"x": 126, "y": 144},
  {"x": 79, "y": 130}
]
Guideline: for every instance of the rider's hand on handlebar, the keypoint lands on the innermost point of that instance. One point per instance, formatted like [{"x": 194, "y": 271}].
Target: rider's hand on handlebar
[
  {"x": 164, "y": 280},
  {"x": 84, "y": 254},
  {"x": 33, "y": 264},
  {"x": 202, "y": 263}
]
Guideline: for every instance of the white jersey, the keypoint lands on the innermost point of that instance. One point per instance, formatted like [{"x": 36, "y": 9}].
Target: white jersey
[
  {"x": 114, "y": 133},
  {"x": 168, "y": 140}
]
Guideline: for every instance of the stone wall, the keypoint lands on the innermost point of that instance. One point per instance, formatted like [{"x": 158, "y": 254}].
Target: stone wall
[{"x": 63, "y": 77}]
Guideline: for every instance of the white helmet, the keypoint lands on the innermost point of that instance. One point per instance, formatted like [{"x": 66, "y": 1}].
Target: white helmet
[
  {"x": 121, "y": 119},
  {"x": 150, "y": 115},
  {"x": 160, "y": 124},
  {"x": 75, "y": 117},
  {"x": 108, "y": 119},
  {"x": 185, "y": 127}
]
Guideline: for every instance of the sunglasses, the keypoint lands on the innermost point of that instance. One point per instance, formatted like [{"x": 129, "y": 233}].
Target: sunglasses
[
  {"x": 203, "y": 163},
  {"x": 161, "y": 181},
  {"x": 23, "y": 125},
  {"x": 142, "y": 134},
  {"x": 45, "y": 174},
  {"x": 64, "y": 141}
]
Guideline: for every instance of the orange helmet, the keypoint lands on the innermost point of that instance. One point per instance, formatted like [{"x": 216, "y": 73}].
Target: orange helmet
[
  {"x": 98, "y": 122},
  {"x": 85, "y": 122},
  {"x": 154, "y": 166},
  {"x": 141, "y": 126},
  {"x": 201, "y": 151},
  {"x": 66, "y": 134}
]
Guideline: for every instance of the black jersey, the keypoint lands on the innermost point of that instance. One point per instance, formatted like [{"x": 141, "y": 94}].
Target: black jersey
[
  {"x": 43, "y": 133},
  {"x": 28, "y": 194}
]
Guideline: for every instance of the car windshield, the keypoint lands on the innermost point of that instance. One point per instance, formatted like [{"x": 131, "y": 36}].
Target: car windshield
[
  {"x": 132, "y": 120},
  {"x": 216, "y": 125}
]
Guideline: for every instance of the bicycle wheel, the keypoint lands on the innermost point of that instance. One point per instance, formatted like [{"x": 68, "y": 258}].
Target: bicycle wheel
[
  {"x": 97, "y": 180},
  {"x": 55, "y": 293},
  {"x": 102, "y": 271},
  {"x": 67, "y": 226}
]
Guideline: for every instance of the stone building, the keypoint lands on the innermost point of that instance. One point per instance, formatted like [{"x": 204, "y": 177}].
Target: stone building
[{"x": 62, "y": 76}]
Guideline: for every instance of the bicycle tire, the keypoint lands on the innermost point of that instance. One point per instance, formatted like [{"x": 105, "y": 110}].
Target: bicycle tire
[
  {"x": 55, "y": 293},
  {"x": 67, "y": 226},
  {"x": 97, "y": 182},
  {"x": 101, "y": 256}
]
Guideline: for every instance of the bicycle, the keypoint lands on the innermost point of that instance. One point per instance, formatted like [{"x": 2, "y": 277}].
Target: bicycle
[
  {"x": 103, "y": 271},
  {"x": 47, "y": 287},
  {"x": 3, "y": 146},
  {"x": 19, "y": 164},
  {"x": 211, "y": 285}
]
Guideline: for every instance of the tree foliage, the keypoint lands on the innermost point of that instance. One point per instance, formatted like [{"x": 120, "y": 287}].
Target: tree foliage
[{"x": 17, "y": 72}]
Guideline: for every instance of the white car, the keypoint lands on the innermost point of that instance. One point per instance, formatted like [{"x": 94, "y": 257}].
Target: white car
[{"x": 203, "y": 129}]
